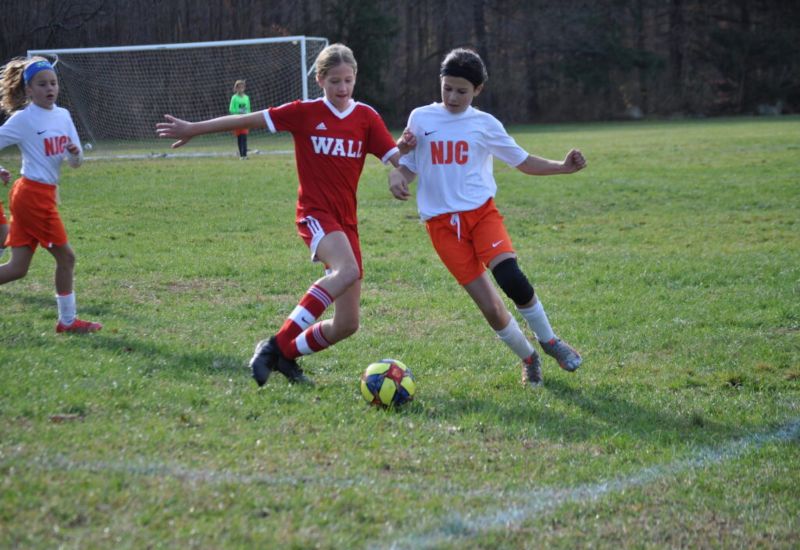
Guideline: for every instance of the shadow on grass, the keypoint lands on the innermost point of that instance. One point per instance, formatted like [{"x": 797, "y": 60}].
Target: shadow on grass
[
  {"x": 588, "y": 414},
  {"x": 46, "y": 300},
  {"x": 612, "y": 414},
  {"x": 151, "y": 358},
  {"x": 38, "y": 300}
]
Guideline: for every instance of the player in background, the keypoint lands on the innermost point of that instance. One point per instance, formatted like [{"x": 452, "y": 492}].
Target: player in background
[
  {"x": 332, "y": 136},
  {"x": 5, "y": 177},
  {"x": 453, "y": 158},
  {"x": 240, "y": 105},
  {"x": 46, "y": 136}
]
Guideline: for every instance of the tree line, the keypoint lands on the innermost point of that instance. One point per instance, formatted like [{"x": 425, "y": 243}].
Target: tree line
[{"x": 548, "y": 60}]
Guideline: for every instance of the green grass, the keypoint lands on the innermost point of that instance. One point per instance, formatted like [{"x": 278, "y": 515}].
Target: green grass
[{"x": 672, "y": 262}]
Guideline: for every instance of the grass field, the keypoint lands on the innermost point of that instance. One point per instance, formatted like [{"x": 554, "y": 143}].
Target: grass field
[
  {"x": 213, "y": 145},
  {"x": 672, "y": 262}
]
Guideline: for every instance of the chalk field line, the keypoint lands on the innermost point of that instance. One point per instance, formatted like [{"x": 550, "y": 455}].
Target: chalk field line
[{"x": 454, "y": 527}]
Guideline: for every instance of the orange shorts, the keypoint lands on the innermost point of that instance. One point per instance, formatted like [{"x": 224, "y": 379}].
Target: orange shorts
[
  {"x": 468, "y": 241},
  {"x": 241, "y": 132},
  {"x": 3, "y": 219},
  {"x": 317, "y": 224},
  {"x": 34, "y": 216}
]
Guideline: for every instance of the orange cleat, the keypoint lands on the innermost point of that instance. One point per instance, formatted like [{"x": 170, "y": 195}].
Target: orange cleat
[{"x": 78, "y": 327}]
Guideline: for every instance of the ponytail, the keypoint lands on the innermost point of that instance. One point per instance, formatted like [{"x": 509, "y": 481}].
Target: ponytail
[{"x": 12, "y": 84}]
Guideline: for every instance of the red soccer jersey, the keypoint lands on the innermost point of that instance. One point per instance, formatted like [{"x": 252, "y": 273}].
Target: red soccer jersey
[{"x": 330, "y": 148}]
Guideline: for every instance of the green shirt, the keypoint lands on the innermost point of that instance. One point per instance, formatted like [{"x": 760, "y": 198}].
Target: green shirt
[{"x": 240, "y": 104}]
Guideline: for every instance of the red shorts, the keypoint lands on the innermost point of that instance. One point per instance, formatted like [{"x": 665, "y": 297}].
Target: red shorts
[
  {"x": 3, "y": 219},
  {"x": 241, "y": 132},
  {"x": 34, "y": 216},
  {"x": 468, "y": 241},
  {"x": 317, "y": 224}
]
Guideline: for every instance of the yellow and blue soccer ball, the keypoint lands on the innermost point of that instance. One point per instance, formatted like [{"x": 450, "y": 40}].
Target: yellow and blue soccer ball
[{"x": 387, "y": 383}]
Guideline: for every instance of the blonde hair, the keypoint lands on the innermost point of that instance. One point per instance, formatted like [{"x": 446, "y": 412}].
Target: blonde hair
[
  {"x": 333, "y": 56},
  {"x": 236, "y": 84},
  {"x": 12, "y": 83}
]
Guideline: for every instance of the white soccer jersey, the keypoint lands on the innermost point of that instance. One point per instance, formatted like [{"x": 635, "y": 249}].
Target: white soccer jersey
[
  {"x": 42, "y": 136},
  {"x": 453, "y": 158}
]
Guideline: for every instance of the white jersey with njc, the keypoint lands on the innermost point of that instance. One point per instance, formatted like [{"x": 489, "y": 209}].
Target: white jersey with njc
[
  {"x": 453, "y": 158},
  {"x": 42, "y": 136}
]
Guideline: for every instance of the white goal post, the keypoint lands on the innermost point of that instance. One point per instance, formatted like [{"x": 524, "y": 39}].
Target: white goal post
[{"x": 117, "y": 94}]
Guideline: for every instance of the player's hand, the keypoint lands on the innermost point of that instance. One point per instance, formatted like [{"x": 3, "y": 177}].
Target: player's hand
[
  {"x": 406, "y": 142},
  {"x": 5, "y": 175},
  {"x": 398, "y": 185},
  {"x": 174, "y": 128},
  {"x": 574, "y": 161}
]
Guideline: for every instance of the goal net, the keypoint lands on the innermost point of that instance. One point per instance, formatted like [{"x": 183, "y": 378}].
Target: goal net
[{"x": 117, "y": 94}]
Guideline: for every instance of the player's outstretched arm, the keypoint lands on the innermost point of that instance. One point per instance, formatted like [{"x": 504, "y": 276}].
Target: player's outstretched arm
[
  {"x": 184, "y": 130},
  {"x": 538, "y": 166},
  {"x": 399, "y": 178},
  {"x": 406, "y": 142}
]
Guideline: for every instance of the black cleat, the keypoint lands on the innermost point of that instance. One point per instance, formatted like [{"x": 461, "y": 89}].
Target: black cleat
[
  {"x": 264, "y": 360},
  {"x": 292, "y": 371}
]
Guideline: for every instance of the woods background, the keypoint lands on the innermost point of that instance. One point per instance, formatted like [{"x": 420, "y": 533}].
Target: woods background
[{"x": 548, "y": 60}]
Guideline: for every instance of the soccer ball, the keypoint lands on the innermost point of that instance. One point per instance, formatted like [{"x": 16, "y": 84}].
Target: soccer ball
[
  {"x": 88, "y": 147},
  {"x": 387, "y": 383}
]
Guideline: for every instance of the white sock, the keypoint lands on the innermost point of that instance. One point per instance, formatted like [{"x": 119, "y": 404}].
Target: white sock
[
  {"x": 66, "y": 308},
  {"x": 537, "y": 320},
  {"x": 513, "y": 337}
]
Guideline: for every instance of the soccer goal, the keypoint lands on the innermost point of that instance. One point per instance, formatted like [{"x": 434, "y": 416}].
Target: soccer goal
[{"x": 117, "y": 94}]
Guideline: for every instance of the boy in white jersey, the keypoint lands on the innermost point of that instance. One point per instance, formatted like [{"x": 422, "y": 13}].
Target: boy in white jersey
[
  {"x": 455, "y": 197},
  {"x": 46, "y": 136}
]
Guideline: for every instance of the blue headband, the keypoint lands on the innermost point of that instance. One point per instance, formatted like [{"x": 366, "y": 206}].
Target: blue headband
[{"x": 36, "y": 67}]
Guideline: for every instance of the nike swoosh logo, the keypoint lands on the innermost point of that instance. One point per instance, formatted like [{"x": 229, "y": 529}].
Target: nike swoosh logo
[
  {"x": 495, "y": 245},
  {"x": 431, "y": 132},
  {"x": 40, "y": 133}
]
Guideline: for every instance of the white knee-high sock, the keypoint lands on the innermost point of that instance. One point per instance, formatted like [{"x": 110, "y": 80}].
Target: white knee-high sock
[
  {"x": 537, "y": 320},
  {"x": 66, "y": 308},
  {"x": 514, "y": 338}
]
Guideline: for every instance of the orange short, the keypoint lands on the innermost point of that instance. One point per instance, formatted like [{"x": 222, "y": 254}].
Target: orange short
[
  {"x": 34, "y": 216},
  {"x": 468, "y": 241},
  {"x": 241, "y": 132},
  {"x": 317, "y": 224},
  {"x": 3, "y": 220}
]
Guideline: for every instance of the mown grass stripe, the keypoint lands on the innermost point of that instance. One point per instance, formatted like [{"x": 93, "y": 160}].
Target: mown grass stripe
[{"x": 542, "y": 501}]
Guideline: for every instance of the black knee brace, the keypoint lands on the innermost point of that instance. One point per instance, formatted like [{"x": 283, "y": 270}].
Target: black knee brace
[{"x": 513, "y": 281}]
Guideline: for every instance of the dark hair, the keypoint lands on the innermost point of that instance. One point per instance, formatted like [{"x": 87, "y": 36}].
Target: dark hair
[{"x": 465, "y": 63}]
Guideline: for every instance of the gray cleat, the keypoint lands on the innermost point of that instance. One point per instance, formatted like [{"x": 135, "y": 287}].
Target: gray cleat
[
  {"x": 532, "y": 371},
  {"x": 568, "y": 358}
]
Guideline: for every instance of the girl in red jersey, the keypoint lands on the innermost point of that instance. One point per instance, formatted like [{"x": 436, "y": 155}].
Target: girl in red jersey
[
  {"x": 332, "y": 136},
  {"x": 46, "y": 136},
  {"x": 455, "y": 197}
]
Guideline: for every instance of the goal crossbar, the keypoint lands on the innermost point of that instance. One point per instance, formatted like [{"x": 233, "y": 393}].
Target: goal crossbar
[
  {"x": 117, "y": 93},
  {"x": 178, "y": 45}
]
